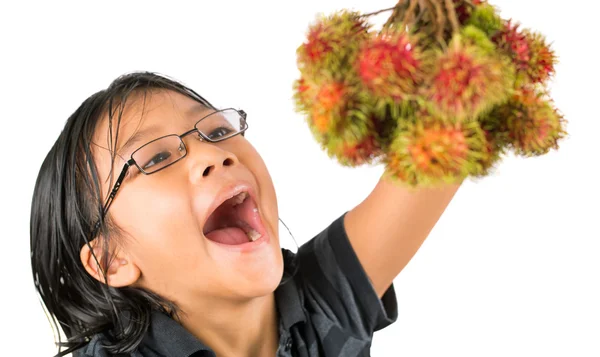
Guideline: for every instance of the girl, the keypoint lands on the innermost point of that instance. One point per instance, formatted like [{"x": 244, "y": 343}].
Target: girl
[{"x": 187, "y": 262}]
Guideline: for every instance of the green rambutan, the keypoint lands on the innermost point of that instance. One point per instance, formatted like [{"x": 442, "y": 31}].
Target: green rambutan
[
  {"x": 389, "y": 65},
  {"x": 429, "y": 151},
  {"x": 467, "y": 80},
  {"x": 475, "y": 36},
  {"x": 332, "y": 42},
  {"x": 485, "y": 17},
  {"x": 533, "y": 125}
]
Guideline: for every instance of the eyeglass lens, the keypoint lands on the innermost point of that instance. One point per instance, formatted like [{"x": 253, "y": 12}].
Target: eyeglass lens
[{"x": 164, "y": 151}]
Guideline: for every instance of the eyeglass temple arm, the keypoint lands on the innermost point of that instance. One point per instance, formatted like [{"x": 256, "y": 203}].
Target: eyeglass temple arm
[{"x": 113, "y": 193}]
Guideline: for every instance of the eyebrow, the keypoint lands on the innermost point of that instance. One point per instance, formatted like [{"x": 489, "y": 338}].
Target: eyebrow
[
  {"x": 197, "y": 109},
  {"x": 141, "y": 134},
  {"x": 137, "y": 137}
]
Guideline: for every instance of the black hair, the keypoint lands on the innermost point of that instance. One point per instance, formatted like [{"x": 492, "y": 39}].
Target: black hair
[{"x": 66, "y": 204}]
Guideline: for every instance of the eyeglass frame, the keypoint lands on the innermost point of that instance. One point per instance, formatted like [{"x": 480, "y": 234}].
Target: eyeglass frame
[{"x": 131, "y": 162}]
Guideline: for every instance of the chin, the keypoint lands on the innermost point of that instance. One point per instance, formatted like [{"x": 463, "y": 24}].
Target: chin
[{"x": 258, "y": 278}]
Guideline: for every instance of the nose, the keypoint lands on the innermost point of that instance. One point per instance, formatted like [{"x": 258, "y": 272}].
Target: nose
[{"x": 206, "y": 159}]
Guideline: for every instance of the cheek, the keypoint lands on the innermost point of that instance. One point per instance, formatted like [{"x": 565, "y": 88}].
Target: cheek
[
  {"x": 250, "y": 158},
  {"x": 157, "y": 220}
]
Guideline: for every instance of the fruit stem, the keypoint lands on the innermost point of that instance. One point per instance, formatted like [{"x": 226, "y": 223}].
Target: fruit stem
[
  {"x": 379, "y": 11},
  {"x": 452, "y": 15},
  {"x": 409, "y": 13},
  {"x": 440, "y": 23}
]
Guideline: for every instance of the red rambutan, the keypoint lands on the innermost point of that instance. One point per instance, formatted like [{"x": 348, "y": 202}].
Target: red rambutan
[
  {"x": 531, "y": 55},
  {"x": 533, "y": 125},
  {"x": 467, "y": 80},
  {"x": 541, "y": 59},
  {"x": 325, "y": 104},
  {"x": 321, "y": 120},
  {"x": 328, "y": 107},
  {"x": 495, "y": 143},
  {"x": 389, "y": 65},
  {"x": 364, "y": 151},
  {"x": 330, "y": 95},
  {"x": 304, "y": 94},
  {"x": 331, "y": 42},
  {"x": 428, "y": 151},
  {"x": 355, "y": 140},
  {"x": 464, "y": 9},
  {"x": 514, "y": 42},
  {"x": 330, "y": 103}
]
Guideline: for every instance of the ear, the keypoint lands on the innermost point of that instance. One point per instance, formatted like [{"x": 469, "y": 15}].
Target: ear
[{"x": 121, "y": 270}]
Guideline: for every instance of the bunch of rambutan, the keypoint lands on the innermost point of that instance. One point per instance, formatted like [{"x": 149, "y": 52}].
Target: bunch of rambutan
[{"x": 440, "y": 93}]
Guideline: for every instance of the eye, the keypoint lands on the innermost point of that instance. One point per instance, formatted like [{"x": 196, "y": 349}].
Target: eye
[
  {"x": 219, "y": 132},
  {"x": 157, "y": 159}
]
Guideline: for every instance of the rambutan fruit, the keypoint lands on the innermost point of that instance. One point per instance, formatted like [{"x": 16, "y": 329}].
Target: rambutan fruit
[
  {"x": 542, "y": 58},
  {"x": 360, "y": 151},
  {"x": 467, "y": 79},
  {"x": 514, "y": 42},
  {"x": 304, "y": 92},
  {"x": 485, "y": 17},
  {"x": 363, "y": 152},
  {"x": 329, "y": 105},
  {"x": 341, "y": 119},
  {"x": 474, "y": 36},
  {"x": 389, "y": 65},
  {"x": 331, "y": 43},
  {"x": 428, "y": 151},
  {"x": 321, "y": 120},
  {"x": 495, "y": 143},
  {"x": 355, "y": 140},
  {"x": 464, "y": 9},
  {"x": 531, "y": 55},
  {"x": 533, "y": 125},
  {"x": 331, "y": 95}
]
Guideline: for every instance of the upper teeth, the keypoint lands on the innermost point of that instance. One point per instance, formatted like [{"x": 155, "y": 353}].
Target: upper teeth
[{"x": 239, "y": 198}]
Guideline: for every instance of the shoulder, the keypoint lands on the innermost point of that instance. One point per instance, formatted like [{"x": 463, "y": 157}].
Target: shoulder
[
  {"x": 336, "y": 287},
  {"x": 164, "y": 336}
]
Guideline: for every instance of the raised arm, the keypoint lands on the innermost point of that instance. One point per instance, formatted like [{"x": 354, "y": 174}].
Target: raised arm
[{"x": 391, "y": 224}]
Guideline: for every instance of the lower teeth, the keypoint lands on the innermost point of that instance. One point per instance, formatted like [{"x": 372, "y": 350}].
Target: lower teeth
[{"x": 253, "y": 235}]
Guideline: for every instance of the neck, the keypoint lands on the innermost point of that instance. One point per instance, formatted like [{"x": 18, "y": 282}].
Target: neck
[{"x": 235, "y": 328}]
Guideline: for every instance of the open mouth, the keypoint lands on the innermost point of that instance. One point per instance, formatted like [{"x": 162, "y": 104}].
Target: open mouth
[{"x": 235, "y": 221}]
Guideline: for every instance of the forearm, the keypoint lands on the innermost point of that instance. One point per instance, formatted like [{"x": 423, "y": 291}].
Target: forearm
[{"x": 392, "y": 223}]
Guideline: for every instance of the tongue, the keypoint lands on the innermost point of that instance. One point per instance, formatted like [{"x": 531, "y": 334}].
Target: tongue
[
  {"x": 229, "y": 235},
  {"x": 235, "y": 224}
]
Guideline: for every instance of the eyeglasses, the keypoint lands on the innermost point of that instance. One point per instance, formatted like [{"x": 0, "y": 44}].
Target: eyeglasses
[{"x": 163, "y": 152}]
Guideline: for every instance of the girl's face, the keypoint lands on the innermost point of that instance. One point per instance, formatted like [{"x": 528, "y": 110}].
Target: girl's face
[{"x": 166, "y": 216}]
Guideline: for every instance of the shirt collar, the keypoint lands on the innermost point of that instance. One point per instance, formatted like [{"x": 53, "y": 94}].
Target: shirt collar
[
  {"x": 287, "y": 295},
  {"x": 168, "y": 337}
]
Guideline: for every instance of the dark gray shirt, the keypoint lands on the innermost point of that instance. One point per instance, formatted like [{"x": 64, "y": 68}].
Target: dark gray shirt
[{"x": 329, "y": 308}]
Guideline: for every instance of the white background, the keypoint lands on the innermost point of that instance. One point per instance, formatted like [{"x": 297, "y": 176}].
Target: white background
[{"x": 511, "y": 269}]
